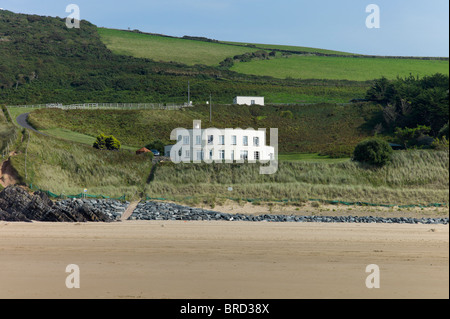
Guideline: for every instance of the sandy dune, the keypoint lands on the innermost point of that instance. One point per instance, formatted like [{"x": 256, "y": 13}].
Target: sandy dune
[{"x": 159, "y": 259}]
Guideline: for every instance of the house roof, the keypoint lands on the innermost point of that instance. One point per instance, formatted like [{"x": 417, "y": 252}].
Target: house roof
[{"x": 143, "y": 150}]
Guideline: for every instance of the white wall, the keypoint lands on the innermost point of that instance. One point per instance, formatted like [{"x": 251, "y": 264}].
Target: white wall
[
  {"x": 189, "y": 147},
  {"x": 248, "y": 100}
]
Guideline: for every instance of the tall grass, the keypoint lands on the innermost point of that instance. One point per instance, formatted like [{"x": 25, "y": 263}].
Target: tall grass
[
  {"x": 64, "y": 167},
  {"x": 415, "y": 177}
]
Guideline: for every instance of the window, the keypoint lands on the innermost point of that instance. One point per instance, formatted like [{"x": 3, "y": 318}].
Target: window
[
  {"x": 187, "y": 153},
  {"x": 210, "y": 139},
  {"x": 222, "y": 155},
  {"x": 185, "y": 140},
  {"x": 253, "y": 102},
  {"x": 211, "y": 153},
  {"x": 233, "y": 140},
  {"x": 245, "y": 141},
  {"x": 180, "y": 138},
  {"x": 221, "y": 139},
  {"x": 256, "y": 156},
  {"x": 198, "y": 140},
  {"x": 256, "y": 141},
  {"x": 232, "y": 155},
  {"x": 199, "y": 155},
  {"x": 244, "y": 155}
]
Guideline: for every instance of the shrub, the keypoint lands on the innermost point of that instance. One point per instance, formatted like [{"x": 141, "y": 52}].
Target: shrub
[
  {"x": 104, "y": 142},
  {"x": 375, "y": 152},
  {"x": 287, "y": 114}
]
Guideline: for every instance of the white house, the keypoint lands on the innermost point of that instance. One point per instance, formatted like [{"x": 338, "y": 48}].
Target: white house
[
  {"x": 218, "y": 145},
  {"x": 249, "y": 100}
]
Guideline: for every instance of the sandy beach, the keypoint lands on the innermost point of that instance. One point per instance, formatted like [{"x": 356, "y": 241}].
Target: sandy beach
[{"x": 223, "y": 260}]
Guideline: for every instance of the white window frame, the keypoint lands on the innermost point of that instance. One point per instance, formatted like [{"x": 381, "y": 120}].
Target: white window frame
[
  {"x": 245, "y": 140},
  {"x": 221, "y": 139},
  {"x": 185, "y": 140}
]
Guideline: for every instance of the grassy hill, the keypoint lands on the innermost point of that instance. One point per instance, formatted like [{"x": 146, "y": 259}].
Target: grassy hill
[
  {"x": 163, "y": 48},
  {"x": 342, "y": 68},
  {"x": 318, "y": 128},
  {"x": 286, "y": 62}
]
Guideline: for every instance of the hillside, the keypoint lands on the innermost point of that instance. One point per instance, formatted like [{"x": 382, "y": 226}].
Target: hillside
[
  {"x": 278, "y": 61},
  {"x": 320, "y": 128},
  {"x": 341, "y": 68},
  {"x": 41, "y": 61}
]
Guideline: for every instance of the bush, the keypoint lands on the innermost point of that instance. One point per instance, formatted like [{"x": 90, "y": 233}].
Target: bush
[
  {"x": 104, "y": 142},
  {"x": 374, "y": 152}
]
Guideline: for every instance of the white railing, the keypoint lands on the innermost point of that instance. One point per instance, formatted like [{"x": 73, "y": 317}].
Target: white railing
[{"x": 104, "y": 106}]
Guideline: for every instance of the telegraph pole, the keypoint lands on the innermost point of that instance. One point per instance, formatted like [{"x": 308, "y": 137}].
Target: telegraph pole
[
  {"x": 189, "y": 94},
  {"x": 210, "y": 108}
]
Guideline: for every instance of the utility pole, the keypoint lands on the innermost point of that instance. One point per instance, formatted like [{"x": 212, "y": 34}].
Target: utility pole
[{"x": 210, "y": 108}]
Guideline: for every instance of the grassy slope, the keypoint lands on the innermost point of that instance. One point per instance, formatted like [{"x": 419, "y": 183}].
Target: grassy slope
[
  {"x": 415, "y": 177},
  {"x": 314, "y": 128},
  {"x": 192, "y": 52},
  {"x": 66, "y": 167},
  {"x": 357, "y": 69},
  {"x": 289, "y": 48},
  {"x": 167, "y": 49}
]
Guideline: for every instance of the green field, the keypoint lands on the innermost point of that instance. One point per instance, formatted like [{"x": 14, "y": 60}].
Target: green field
[
  {"x": 289, "y": 48},
  {"x": 342, "y": 68},
  {"x": 309, "y": 157},
  {"x": 168, "y": 49}
]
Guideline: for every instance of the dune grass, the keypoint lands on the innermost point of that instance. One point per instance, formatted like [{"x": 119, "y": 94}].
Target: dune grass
[
  {"x": 414, "y": 177},
  {"x": 67, "y": 168},
  {"x": 341, "y": 68}
]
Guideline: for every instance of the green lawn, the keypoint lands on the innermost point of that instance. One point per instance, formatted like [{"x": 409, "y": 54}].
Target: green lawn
[
  {"x": 167, "y": 49},
  {"x": 309, "y": 157},
  {"x": 341, "y": 68},
  {"x": 16, "y": 111}
]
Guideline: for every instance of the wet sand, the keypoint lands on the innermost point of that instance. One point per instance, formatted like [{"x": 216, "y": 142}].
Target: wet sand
[{"x": 223, "y": 260}]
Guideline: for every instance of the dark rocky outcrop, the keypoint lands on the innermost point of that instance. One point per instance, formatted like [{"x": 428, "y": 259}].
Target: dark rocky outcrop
[{"x": 16, "y": 204}]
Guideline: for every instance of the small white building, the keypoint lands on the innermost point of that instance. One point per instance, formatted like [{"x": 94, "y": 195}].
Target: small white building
[
  {"x": 220, "y": 145},
  {"x": 249, "y": 100}
]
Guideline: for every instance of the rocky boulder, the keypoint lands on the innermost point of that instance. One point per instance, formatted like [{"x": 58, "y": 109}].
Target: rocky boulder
[{"x": 16, "y": 204}]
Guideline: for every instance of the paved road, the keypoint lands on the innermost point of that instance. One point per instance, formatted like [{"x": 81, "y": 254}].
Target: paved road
[{"x": 22, "y": 121}]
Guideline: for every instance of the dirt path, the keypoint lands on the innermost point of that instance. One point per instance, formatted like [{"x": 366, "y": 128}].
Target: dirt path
[
  {"x": 129, "y": 210},
  {"x": 8, "y": 175}
]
